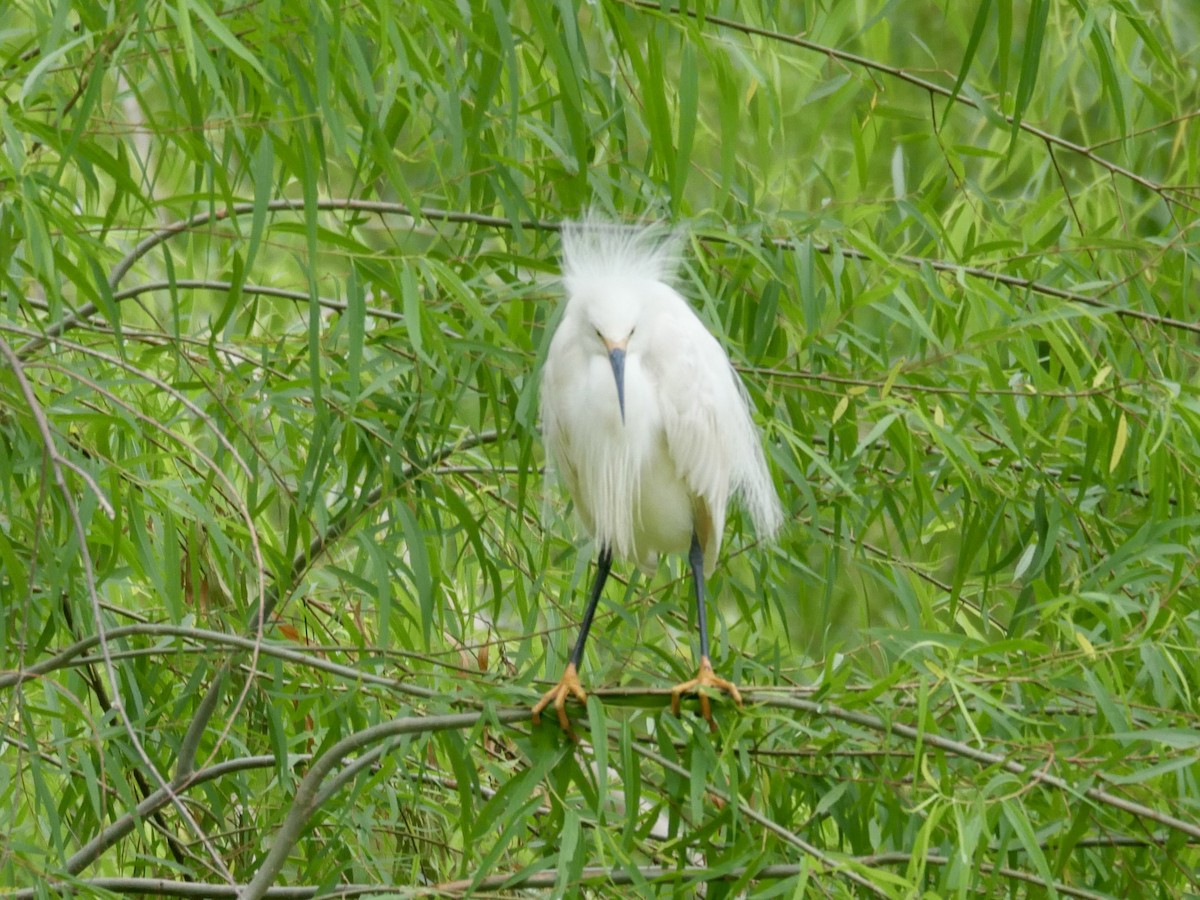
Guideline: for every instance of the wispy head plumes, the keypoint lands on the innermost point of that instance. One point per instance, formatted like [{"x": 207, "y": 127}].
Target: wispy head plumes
[{"x": 595, "y": 248}]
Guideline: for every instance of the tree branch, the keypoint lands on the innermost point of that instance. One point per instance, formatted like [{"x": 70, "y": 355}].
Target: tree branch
[
  {"x": 54, "y": 461},
  {"x": 1053, "y": 140}
]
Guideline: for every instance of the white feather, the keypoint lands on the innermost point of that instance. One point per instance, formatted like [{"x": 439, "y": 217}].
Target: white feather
[{"x": 687, "y": 444}]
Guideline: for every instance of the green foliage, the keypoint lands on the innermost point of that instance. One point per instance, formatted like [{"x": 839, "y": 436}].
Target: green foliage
[{"x": 279, "y": 575}]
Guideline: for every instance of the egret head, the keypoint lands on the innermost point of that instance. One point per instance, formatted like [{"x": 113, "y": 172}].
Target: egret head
[
  {"x": 612, "y": 274},
  {"x": 607, "y": 313}
]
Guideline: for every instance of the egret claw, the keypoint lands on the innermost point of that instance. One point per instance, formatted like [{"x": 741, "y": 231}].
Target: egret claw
[
  {"x": 568, "y": 686},
  {"x": 705, "y": 678}
]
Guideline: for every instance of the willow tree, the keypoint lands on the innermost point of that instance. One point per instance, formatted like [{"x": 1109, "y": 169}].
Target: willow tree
[{"x": 280, "y": 577}]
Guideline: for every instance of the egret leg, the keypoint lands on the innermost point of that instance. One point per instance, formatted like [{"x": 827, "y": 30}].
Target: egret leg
[
  {"x": 705, "y": 678},
  {"x": 568, "y": 685}
]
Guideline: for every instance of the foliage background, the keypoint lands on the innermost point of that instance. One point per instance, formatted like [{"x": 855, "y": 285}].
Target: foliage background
[{"x": 279, "y": 577}]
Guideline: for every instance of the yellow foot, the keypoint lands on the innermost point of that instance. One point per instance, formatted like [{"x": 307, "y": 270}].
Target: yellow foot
[
  {"x": 568, "y": 686},
  {"x": 706, "y": 678}
]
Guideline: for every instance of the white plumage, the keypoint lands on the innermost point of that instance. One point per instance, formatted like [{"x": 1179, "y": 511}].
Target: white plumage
[
  {"x": 647, "y": 424},
  {"x": 687, "y": 442}
]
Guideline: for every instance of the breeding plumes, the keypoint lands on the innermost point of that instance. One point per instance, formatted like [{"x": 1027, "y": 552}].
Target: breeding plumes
[{"x": 647, "y": 424}]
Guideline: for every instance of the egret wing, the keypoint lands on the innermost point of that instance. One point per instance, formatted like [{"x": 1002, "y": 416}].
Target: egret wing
[
  {"x": 710, "y": 434},
  {"x": 556, "y": 436},
  {"x": 701, "y": 407}
]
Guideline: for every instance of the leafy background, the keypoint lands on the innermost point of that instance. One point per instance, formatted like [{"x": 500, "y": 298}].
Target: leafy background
[{"x": 279, "y": 575}]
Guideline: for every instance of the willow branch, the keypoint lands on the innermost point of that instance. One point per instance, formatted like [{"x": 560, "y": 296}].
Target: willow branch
[
  {"x": 544, "y": 880},
  {"x": 263, "y": 610},
  {"x": 986, "y": 757},
  {"x": 304, "y": 803},
  {"x": 54, "y": 462},
  {"x": 69, "y": 655},
  {"x": 93, "y": 849},
  {"x": 863, "y": 62},
  {"x": 432, "y": 214}
]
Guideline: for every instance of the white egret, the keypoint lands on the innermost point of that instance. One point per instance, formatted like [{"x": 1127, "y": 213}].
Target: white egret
[{"x": 648, "y": 425}]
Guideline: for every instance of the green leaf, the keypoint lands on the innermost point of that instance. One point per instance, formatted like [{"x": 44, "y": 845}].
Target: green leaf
[
  {"x": 507, "y": 812},
  {"x": 1119, "y": 442},
  {"x": 1031, "y": 57},
  {"x": 982, "y": 19},
  {"x": 417, "y": 558},
  {"x": 217, "y": 29},
  {"x": 598, "y": 726}
]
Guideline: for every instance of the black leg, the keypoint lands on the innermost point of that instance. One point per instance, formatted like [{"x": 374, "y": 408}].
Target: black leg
[
  {"x": 696, "y": 561},
  {"x": 568, "y": 685},
  {"x": 705, "y": 678},
  {"x": 603, "y": 564}
]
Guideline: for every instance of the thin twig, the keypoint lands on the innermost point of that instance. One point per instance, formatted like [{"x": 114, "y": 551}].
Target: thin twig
[
  {"x": 1163, "y": 191},
  {"x": 93, "y": 849},
  {"x": 832, "y": 864},
  {"x": 304, "y": 802},
  {"x": 266, "y": 607},
  {"x": 429, "y": 213},
  {"x": 1012, "y": 281},
  {"x": 206, "y": 638},
  {"x": 546, "y": 879},
  {"x": 262, "y": 290},
  {"x": 116, "y": 700},
  {"x": 986, "y": 757}
]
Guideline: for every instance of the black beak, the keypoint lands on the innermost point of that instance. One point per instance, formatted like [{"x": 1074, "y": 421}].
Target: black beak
[{"x": 616, "y": 356}]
